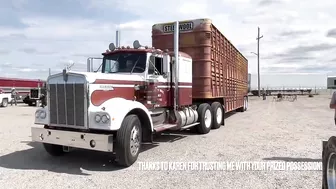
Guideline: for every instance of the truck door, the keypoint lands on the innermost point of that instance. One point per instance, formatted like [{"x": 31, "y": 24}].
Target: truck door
[{"x": 158, "y": 84}]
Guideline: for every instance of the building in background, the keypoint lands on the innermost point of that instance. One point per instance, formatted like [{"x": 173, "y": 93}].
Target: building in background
[{"x": 331, "y": 82}]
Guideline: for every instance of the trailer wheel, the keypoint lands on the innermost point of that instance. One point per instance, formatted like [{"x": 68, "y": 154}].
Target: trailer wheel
[
  {"x": 54, "y": 150},
  {"x": 245, "y": 103},
  {"x": 4, "y": 102},
  {"x": 218, "y": 115},
  {"x": 128, "y": 142},
  {"x": 329, "y": 164},
  {"x": 205, "y": 118}
]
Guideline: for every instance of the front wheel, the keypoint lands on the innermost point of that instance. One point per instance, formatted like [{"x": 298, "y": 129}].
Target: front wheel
[
  {"x": 329, "y": 164},
  {"x": 128, "y": 142}
]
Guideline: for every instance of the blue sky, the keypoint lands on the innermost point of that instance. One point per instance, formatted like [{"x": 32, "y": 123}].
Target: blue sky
[{"x": 299, "y": 36}]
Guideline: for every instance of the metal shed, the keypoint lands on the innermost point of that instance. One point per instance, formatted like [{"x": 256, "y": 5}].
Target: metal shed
[{"x": 331, "y": 82}]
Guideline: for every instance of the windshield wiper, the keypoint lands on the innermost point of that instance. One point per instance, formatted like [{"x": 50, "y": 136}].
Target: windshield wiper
[
  {"x": 114, "y": 65},
  {"x": 135, "y": 65}
]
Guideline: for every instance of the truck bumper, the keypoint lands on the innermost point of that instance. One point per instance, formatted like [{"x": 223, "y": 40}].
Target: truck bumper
[{"x": 98, "y": 142}]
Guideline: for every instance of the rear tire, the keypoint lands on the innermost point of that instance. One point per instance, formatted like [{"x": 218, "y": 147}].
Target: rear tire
[
  {"x": 129, "y": 138},
  {"x": 329, "y": 163},
  {"x": 245, "y": 103},
  {"x": 205, "y": 118},
  {"x": 53, "y": 149},
  {"x": 218, "y": 115}
]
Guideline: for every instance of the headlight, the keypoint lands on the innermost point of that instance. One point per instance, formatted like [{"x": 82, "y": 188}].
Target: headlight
[
  {"x": 105, "y": 118},
  {"x": 40, "y": 114},
  {"x": 97, "y": 118},
  {"x": 43, "y": 114},
  {"x": 37, "y": 114},
  {"x": 102, "y": 118}
]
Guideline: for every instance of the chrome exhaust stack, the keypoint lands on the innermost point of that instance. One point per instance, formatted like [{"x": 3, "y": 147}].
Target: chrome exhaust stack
[{"x": 176, "y": 70}]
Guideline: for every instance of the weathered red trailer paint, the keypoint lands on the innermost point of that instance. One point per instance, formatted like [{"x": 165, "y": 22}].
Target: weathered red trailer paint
[
  {"x": 220, "y": 71},
  {"x": 22, "y": 86}
]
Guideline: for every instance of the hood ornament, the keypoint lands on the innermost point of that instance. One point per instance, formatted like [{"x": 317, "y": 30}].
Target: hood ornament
[{"x": 66, "y": 70}]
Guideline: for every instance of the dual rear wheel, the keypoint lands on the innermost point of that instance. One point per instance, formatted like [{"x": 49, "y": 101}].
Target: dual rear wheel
[
  {"x": 212, "y": 116},
  {"x": 209, "y": 117}
]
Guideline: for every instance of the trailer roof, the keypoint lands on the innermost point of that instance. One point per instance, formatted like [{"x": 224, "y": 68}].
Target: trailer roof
[
  {"x": 20, "y": 79},
  {"x": 202, "y": 19}
]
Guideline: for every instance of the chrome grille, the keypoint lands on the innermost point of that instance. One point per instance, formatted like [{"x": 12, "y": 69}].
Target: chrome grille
[{"x": 67, "y": 104}]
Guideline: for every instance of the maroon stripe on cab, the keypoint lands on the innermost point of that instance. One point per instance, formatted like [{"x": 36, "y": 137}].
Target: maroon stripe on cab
[
  {"x": 98, "y": 97},
  {"x": 127, "y": 82}
]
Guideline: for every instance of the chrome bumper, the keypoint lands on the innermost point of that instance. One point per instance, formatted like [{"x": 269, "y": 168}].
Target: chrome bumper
[{"x": 98, "y": 142}]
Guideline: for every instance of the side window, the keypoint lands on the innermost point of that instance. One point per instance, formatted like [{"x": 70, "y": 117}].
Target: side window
[{"x": 158, "y": 63}]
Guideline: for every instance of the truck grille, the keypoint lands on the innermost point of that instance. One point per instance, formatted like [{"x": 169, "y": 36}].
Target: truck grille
[
  {"x": 67, "y": 105},
  {"x": 34, "y": 93}
]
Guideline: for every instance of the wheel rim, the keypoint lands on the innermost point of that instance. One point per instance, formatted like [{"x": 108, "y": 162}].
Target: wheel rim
[
  {"x": 135, "y": 140},
  {"x": 219, "y": 115},
  {"x": 331, "y": 171},
  {"x": 207, "y": 118}
]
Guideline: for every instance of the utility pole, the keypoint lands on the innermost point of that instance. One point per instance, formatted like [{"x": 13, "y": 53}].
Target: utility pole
[{"x": 258, "y": 55}]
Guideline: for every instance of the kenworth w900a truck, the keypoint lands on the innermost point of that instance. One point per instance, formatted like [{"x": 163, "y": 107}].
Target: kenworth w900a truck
[{"x": 196, "y": 77}]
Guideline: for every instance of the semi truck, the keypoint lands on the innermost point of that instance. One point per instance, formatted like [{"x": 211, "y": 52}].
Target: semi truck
[
  {"x": 37, "y": 96},
  {"x": 192, "y": 77}
]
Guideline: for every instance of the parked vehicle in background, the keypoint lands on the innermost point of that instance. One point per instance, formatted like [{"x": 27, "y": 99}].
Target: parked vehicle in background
[
  {"x": 36, "y": 95},
  {"x": 142, "y": 91},
  {"x": 22, "y": 86},
  {"x": 5, "y": 98}
]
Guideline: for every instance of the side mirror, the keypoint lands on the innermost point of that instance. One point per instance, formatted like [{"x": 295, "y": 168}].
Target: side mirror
[{"x": 166, "y": 64}]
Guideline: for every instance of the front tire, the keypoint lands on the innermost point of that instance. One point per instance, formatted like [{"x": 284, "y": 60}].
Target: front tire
[
  {"x": 218, "y": 115},
  {"x": 54, "y": 150},
  {"x": 205, "y": 118},
  {"x": 329, "y": 164},
  {"x": 128, "y": 143}
]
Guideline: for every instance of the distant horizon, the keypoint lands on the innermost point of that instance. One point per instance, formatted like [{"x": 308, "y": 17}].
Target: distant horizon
[{"x": 267, "y": 80}]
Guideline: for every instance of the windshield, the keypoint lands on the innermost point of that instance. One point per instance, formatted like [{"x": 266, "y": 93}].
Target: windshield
[{"x": 125, "y": 62}]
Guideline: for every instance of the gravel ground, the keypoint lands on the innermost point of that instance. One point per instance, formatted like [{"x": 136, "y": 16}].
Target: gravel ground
[{"x": 280, "y": 131}]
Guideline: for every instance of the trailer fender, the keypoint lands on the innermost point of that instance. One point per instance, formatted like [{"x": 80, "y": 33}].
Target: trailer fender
[{"x": 118, "y": 109}]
